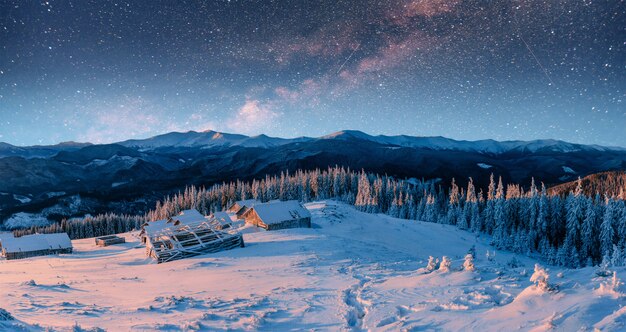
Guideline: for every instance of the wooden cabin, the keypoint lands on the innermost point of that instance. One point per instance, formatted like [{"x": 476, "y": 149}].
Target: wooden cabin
[
  {"x": 108, "y": 240},
  {"x": 239, "y": 208},
  {"x": 36, "y": 245},
  {"x": 279, "y": 215},
  {"x": 223, "y": 220},
  {"x": 152, "y": 227}
]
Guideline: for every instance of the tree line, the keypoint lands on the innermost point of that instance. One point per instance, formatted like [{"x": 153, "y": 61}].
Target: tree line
[{"x": 573, "y": 230}]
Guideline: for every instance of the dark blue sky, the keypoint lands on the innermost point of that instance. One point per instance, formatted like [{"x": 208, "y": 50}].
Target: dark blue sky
[{"x": 104, "y": 71}]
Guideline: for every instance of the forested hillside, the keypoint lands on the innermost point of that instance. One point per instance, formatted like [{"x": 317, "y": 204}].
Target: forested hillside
[{"x": 574, "y": 231}]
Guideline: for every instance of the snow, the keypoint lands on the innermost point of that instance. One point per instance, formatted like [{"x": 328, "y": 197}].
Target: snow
[
  {"x": 483, "y": 165},
  {"x": 36, "y": 242},
  {"x": 156, "y": 226},
  {"x": 21, "y": 199},
  {"x": 212, "y": 139},
  {"x": 350, "y": 271},
  {"x": 247, "y": 202},
  {"x": 277, "y": 212},
  {"x": 208, "y": 139},
  {"x": 224, "y": 218},
  {"x": 117, "y": 184},
  {"x": 188, "y": 217},
  {"x": 55, "y": 193},
  {"x": 568, "y": 170},
  {"x": 25, "y": 220},
  {"x": 127, "y": 161}
]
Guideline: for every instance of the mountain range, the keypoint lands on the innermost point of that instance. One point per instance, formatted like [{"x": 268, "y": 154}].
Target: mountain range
[{"x": 128, "y": 176}]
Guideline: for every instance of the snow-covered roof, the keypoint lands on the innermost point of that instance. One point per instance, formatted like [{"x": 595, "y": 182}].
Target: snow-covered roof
[
  {"x": 223, "y": 218},
  {"x": 247, "y": 203},
  {"x": 37, "y": 242},
  {"x": 6, "y": 235},
  {"x": 277, "y": 212},
  {"x": 155, "y": 226},
  {"x": 188, "y": 216}
]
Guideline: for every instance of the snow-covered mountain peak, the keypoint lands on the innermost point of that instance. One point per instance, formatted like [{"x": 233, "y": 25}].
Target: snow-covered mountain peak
[{"x": 346, "y": 134}]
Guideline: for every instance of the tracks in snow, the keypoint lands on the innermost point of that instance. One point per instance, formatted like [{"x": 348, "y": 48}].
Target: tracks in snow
[{"x": 357, "y": 306}]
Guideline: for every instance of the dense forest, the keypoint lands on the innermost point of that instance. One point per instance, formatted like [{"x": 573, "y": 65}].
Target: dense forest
[{"x": 572, "y": 230}]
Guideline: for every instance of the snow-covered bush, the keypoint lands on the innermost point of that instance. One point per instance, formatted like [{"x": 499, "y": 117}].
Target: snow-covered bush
[
  {"x": 540, "y": 277},
  {"x": 616, "y": 283},
  {"x": 433, "y": 263},
  {"x": 613, "y": 285},
  {"x": 491, "y": 256},
  {"x": 445, "y": 264},
  {"x": 468, "y": 265}
]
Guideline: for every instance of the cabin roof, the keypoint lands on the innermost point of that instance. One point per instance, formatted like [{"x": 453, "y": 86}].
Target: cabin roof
[
  {"x": 277, "y": 212},
  {"x": 155, "y": 226},
  {"x": 36, "y": 242},
  {"x": 222, "y": 217},
  {"x": 246, "y": 203},
  {"x": 5, "y": 235},
  {"x": 189, "y": 216}
]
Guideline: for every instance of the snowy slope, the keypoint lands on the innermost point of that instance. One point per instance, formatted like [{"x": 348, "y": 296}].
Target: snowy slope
[{"x": 351, "y": 271}]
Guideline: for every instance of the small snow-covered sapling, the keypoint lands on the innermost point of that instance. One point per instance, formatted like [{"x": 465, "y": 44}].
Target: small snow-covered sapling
[
  {"x": 540, "y": 277},
  {"x": 432, "y": 263},
  {"x": 445, "y": 264},
  {"x": 468, "y": 265}
]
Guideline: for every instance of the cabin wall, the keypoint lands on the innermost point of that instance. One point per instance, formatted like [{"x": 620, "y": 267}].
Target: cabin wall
[
  {"x": 27, "y": 254},
  {"x": 253, "y": 218},
  {"x": 295, "y": 223},
  {"x": 103, "y": 242}
]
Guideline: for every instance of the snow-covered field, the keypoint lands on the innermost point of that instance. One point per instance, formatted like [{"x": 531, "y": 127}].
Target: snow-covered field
[{"x": 351, "y": 271}]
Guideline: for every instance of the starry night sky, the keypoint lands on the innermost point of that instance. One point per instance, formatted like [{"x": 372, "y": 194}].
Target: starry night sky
[{"x": 105, "y": 71}]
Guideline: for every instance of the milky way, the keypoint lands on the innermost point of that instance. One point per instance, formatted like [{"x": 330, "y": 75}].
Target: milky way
[{"x": 104, "y": 71}]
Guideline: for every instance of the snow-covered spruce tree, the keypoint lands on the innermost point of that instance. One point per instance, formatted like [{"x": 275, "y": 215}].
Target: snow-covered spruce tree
[
  {"x": 430, "y": 213},
  {"x": 468, "y": 264},
  {"x": 445, "y": 264},
  {"x": 603, "y": 268},
  {"x": 575, "y": 205},
  {"x": 541, "y": 278},
  {"x": 616, "y": 283},
  {"x": 472, "y": 208},
  {"x": 589, "y": 234},
  {"x": 617, "y": 257},
  {"x": 488, "y": 212},
  {"x": 592, "y": 227},
  {"x": 607, "y": 232},
  {"x": 453, "y": 204}
]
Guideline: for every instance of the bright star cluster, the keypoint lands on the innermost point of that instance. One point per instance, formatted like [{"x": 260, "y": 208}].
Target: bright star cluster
[{"x": 105, "y": 71}]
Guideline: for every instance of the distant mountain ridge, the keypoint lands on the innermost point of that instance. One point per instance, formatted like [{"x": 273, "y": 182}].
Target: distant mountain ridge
[
  {"x": 210, "y": 138},
  {"x": 128, "y": 176}
]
